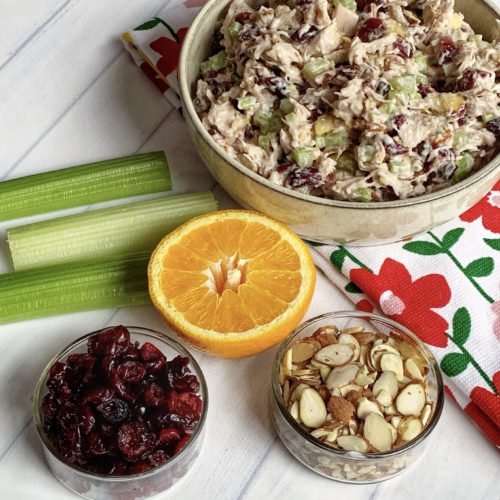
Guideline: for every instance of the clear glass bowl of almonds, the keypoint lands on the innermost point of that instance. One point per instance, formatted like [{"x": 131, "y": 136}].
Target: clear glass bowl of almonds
[{"x": 355, "y": 396}]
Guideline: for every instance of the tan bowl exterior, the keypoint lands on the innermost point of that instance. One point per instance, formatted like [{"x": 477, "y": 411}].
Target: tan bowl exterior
[{"x": 320, "y": 219}]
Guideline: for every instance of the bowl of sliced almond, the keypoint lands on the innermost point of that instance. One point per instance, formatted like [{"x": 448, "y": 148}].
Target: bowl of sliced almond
[{"x": 355, "y": 396}]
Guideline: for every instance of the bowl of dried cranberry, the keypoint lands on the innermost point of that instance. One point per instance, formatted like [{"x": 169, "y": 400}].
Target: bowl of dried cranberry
[{"x": 120, "y": 413}]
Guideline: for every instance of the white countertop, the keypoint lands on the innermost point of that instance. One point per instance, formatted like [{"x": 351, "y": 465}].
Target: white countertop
[{"x": 70, "y": 94}]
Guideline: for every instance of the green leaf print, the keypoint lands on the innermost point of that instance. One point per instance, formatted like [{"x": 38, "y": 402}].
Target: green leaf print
[
  {"x": 148, "y": 24},
  {"x": 461, "y": 326},
  {"x": 337, "y": 257},
  {"x": 352, "y": 288},
  {"x": 454, "y": 363},
  {"x": 451, "y": 237},
  {"x": 493, "y": 243},
  {"x": 480, "y": 267},
  {"x": 423, "y": 248}
]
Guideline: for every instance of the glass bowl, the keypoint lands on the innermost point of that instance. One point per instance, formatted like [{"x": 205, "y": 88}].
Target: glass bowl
[
  {"x": 135, "y": 486},
  {"x": 352, "y": 466}
]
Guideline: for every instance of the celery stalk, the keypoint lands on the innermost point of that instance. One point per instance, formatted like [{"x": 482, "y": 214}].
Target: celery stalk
[
  {"x": 70, "y": 187},
  {"x": 82, "y": 286},
  {"x": 315, "y": 67},
  {"x": 118, "y": 230}
]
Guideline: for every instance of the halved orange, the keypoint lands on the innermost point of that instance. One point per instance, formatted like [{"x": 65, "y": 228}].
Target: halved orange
[{"x": 233, "y": 283}]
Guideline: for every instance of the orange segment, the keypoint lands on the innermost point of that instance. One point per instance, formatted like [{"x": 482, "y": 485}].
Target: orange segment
[{"x": 233, "y": 283}]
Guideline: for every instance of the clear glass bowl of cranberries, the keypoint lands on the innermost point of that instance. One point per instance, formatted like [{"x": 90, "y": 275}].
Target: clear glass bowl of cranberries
[{"x": 120, "y": 413}]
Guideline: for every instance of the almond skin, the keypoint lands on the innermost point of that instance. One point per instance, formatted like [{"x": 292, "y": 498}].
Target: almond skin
[{"x": 341, "y": 409}]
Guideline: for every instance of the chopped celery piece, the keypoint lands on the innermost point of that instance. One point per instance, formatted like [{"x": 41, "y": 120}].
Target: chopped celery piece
[
  {"x": 348, "y": 4},
  {"x": 246, "y": 102},
  {"x": 324, "y": 124},
  {"x": 264, "y": 142},
  {"x": 303, "y": 157},
  {"x": 74, "y": 186},
  {"x": 460, "y": 139},
  {"x": 347, "y": 162},
  {"x": 406, "y": 83},
  {"x": 421, "y": 60},
  {"x": 478, "y": 40},
  {"x": 421, "y": 79},
  {"x": 488, "y": 118},
  {"x": 65, "y": 288},
  {"x": 121, "y": 229},
  {"x": 388, "y": 107},
  {"x": 366, "y": 152},
  {"x": 267, "y": 122},
  {"x": 363, "y": 194},
  {"x": 464, "y": 165},
  {"x": 289, "y": 119},
  {"x": 400, "y": 165},
  {"x": 214, "y": 63},
  {"x": 286, "y": 105},
  {"x": 336, "y": 139},
  {"x": 315, "y": 67},
  {"x": 411, "y": 95},
  {"x": 234, "y": 30}
]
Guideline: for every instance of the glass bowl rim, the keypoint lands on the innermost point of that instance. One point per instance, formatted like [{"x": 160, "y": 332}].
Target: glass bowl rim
[
  {"x": 358, "y": 455},
  {"x": 164, "y": 338}
]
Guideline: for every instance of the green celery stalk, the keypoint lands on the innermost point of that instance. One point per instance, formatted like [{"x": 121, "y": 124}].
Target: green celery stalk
[
  {"x": 70, "y": 187},
  {"x": 118, "y": 230},
  {"x": 72, "y": 287}
]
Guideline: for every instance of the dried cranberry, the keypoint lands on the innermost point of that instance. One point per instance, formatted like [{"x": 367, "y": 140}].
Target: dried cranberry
[
  {"x": 424, "y": 89},
  {"x": 50, "y": 405},
  {"x": 139, "y": 467},
  {"x": 399, "y": 120},
  {"x": 150, "y": 352},
  {"x": 154, "y": 395},
  {"x": 284, "y": 168},
  {"x": 394, "y": 149},
  {"x": 169, "y": 435},
  {"x": 447, "y": 49},
  {"x": 445, "y": 154},
  {"x": 242, "y": 17},
  {"x": 186, "y": 405},
  {"x": 68, "y": 444},
  {"x": 383, "y": 88},
  {"x": 86, "y": 419},
  {"x": 110, "y": 341},
  {"x": 304, "y": 36},
  {"x": 248, "y": 133},
  {"x": 388, "y": 194},
  {"x": 304, "y": 177},
  {"x": 348, "y": 70},
  {"x": 182, "y": 443},
  {"x": 132, "y": 352},
  {"x": 82, "y": 366},
  {"x": 188, "y": 383},
  {"x": 461, "y": 122},
  {"x": 58, "y": 376},
  {"x": 178, "y": 366},
  {"x": 469, "y": 78},
  {"x": 371, "y": 29},
  {"x": 423, "y": 148},
  {"x": 134, "y": 440},
  {"x": 158, "y": 458},
  {"x": 494, "y": 127},
  {"x": 97, "y": 395},
  {"x": 131, "y": 372},
  {"x": 114, "y": 411},
  {"x": 404, "y": 48},
  {"x": 96, "y": 444}
]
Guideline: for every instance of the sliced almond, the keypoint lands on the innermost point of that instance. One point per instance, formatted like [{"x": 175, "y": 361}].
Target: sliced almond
[
  {"x": 413, "y": 370},
  {"x": 346, "y": 338},
  {"x": 324, "y": 372},
  {"x": 313, "y": 381},
  {"x": 364, "y": 377},
  {"x": 332, "y": 436},
  {"x": 410, "y": 428},
  {"x": 294, "y": 411},
  {"x": 348, "y": 388},
  {"x": 286, "y": 390},
  {"x": 395, "y": 421},
  {"x": 287, "y": 362},
  {"x": 319, "y": 433},
  {"x": 411, "y": 400},
  {"x": 341, "y": 409},
  {"x": 352, "y": 443},
  {"x": 365, "y": 407},
  {"x": 425, "y": 415},
  {"x": 303, "y": 351},
  {"x": 281, "y": 375},
  {"x": 408, "y": 350},
  {"x": 363, "y": 354},
  {"x": 384, "y": 398},
  {"x": 342, "y": 375},
  {"x": 335, "y": 354},
  {"x": 312, "y": 408},
  {"x": 390, "y": 362},
  {"x": 353, "y": 426},
  {"x": 386, "y": 382},
  {"x": 305, "y": 371},
  {"x": 353, "y": 329},
  {"x": 378, "y": 432},
  {"x": 377, "y": 351},
  {"x": 326, "y": 330},
  {"x": 364, "y": 338},
  {"x": 296, "y": 392},
  {"x": 390, "y": 410},
  {"x": 353, "y": 397},
  {"x": 394, "y": 432},
  {"x": 324, "y": 393},
  {"x": 317, "y": 364}
]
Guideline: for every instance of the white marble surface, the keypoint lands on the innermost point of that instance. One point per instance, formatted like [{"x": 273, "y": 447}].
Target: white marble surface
[{"x": 70, "y": 94}]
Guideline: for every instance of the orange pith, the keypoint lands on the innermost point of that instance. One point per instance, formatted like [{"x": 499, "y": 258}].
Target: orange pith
[{"x": 233, "y": 282}]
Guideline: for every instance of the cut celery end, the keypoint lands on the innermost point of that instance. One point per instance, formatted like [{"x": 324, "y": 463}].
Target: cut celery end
[
  {"x": 333, "y": 139},
  {"x": 488, "y": 118},
  {"x": 315, "y": 67},
  {"x": 406, "y": 83},
  {"x": 92, "y": 183},
  {"x": 303, "y": 157},
  {"x": 264, "y": 142},
  {"x": 363, "y": 194},
  {"x": 267, "y": 122},
  {"x": 287, "y": 106},
  {"x": 421, "y": 60},
  {"x": 348, "y": 4},
  {"x": 117, "y": 230},
  {"x": 214, "y": 63},
  {"x": 246, "y": 102},
  {"x": 464, "y": 165},
  {"x": 66, "y": 288},
  {"x": 347, "y": 162},
  {"x": 234, "y": 30}
]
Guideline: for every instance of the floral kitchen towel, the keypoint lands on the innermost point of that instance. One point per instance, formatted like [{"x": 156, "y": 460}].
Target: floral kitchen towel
[{"x": 443, "y": 285}]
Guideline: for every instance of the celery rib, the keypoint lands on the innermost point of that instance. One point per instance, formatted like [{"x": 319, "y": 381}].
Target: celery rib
[
  {"x": 118, "y": 230},
  {"x": 85, "y": 184},
  {"x": 73, "y": 287}
]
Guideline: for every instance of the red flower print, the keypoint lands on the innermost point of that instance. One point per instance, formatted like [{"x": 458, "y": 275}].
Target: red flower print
[
  {"x": 364, "y": 305},
  {"x": 409, "y": 302},
  {"x": 154, "y": 77},
  {"x": 484, "y": 409},
  {"x": 488, "y": 208},
  {"x": 170, "y": 51}
]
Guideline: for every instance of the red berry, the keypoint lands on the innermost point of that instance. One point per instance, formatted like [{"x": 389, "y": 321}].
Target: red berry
[
  {"x": 371, "y": 29},
  {"x": 304, "y": 177},
  {"x": 169, "y": 435},
  {"x": 424, "y": 89},
  {"x": 110, "y": 341},
  {"x": 394, "y": 149},
  {"x": 134, "y": 440},
  {"x": 149, "y": 352},
  {"x": 96, "y": 444},
  {"x": 404, "y": 48},
  {"x": 182, "y": 443},
  {"x": 154, "y": 395},
  {"x": 131, "y": 372},
  {"x": 447, "y": 49},
  {"x": 494, "y": 127},
  {"x": 114, "y": 411}
]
